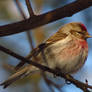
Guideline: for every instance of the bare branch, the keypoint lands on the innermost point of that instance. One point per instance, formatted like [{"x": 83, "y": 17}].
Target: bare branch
[
  {"x": 36, "y": 21},
  {"x": 20, "y": 9},
  {"x": 33, "y": 53},
  {"x": 31, "y": 13},
  {"x": 24, "y": 17},
  {"x": 77, "y": 83},
  {"x": 51, "y": 83},
  {"x": 28, "y": 32}
]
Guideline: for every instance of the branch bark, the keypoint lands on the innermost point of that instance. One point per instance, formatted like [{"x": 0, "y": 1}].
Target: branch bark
[
  {"x": 31, "y": 13},
  {"x": 25, "y": 17},
  {"x": 42, "y": 19},
  {"x": 29, "y": 7},
  {"x": 77, "y": 83}
]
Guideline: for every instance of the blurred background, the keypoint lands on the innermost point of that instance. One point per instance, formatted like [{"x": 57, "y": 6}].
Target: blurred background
[{"x": 19, "y": 43}]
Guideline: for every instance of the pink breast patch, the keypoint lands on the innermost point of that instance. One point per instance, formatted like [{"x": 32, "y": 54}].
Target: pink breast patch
[{"x": 83, "y": 44}]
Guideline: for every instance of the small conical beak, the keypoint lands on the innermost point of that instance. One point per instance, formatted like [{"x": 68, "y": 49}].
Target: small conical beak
[{"x": 88, "y": 36}]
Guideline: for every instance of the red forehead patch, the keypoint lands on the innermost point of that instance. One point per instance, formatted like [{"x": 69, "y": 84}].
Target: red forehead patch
[{"x": 83, "y": 27}]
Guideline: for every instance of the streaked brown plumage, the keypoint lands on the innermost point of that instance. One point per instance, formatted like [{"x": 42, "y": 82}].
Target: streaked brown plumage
[{"x": 66, "y": 50}]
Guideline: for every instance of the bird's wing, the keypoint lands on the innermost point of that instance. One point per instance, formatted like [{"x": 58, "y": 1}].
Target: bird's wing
[
  {"x": 32, "y": 54},
  {"x": 56, "y": 37}
]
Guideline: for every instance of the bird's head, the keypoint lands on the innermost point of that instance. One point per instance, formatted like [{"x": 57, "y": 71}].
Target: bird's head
[{"x": 77, "y": 29}]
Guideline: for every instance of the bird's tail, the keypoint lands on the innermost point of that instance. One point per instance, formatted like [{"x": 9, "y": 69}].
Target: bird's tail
[{"x": 20, "y": 74}]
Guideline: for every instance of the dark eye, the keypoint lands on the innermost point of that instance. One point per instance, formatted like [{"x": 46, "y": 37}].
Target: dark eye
[{"x": 80, "y": 32}]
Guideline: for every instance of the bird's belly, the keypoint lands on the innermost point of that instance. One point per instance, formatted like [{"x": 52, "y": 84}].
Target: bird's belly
[{"x": 68, "y": 59}]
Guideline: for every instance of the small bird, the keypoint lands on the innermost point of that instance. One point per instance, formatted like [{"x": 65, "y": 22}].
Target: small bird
[{"x": 66, "y": 50}]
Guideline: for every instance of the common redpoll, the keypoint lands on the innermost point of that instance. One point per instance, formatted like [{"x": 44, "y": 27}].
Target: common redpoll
[{"x": 66, "y": 50}]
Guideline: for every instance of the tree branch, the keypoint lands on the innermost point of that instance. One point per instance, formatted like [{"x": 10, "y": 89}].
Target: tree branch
[
  {"x": 36, "y": 21},
  {"x": 20, "y": 8},
  {"x": 77, "y": 83},
  {"x": 24, "y": 17},
  {"x": 30, "y": 10}
]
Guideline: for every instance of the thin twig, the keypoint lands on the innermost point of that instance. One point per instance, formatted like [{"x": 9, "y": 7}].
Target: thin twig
[
  {"x": 24, "y": 17},
  {"x": 29, "y": 37},
  {"x": 50, "y": 83},
  {"x": 42, "y": 19},
  {"x": 33, "y": 53},
  {"x": 20, "y": 8},
  {"x": 29, "y": 6},
  {"x": 77, "y": 83},
  {"x": 28, "y": 32}
]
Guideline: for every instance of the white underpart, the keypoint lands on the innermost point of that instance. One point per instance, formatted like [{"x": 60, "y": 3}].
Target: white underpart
[{"x": 66, "y": 54}]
